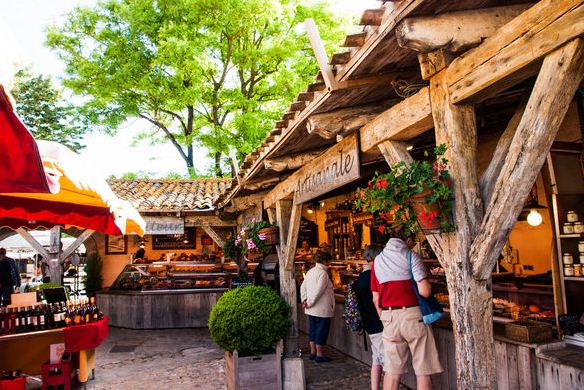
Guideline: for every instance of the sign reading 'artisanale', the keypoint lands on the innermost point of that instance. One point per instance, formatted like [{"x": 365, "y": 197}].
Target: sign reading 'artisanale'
[
  {"x": 164, "y": 225},
  {"x": 333, "y": 169}
]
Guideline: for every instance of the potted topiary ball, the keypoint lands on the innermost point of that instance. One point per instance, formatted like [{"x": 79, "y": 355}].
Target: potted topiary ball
[{"x": 249, "y": 323}]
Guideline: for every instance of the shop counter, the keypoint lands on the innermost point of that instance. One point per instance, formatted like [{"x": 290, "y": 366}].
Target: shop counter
[{"x": 159, "y": 309}]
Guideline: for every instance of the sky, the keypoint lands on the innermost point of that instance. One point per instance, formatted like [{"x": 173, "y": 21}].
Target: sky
[{"x": 25, "y": 21}]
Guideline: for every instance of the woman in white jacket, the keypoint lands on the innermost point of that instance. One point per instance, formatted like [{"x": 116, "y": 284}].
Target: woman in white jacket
[{"x": 318, "y": 300}]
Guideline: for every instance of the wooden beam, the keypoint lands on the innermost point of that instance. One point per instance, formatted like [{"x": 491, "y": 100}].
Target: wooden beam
[
  {"x": 490, "y": 175},
  {"x": 433, "y": 62},
  {"x": 292, "y": 238},
  {"x": 298, "y": 106},
  {"x": 328, "y": 124},
  {"x": 263, "y": 182},
  {"x": 215, "y": 235},
  {"x": 296, "y": 161},
  {"x": 320, "y": 53},
  {"x": 514, "y": 53},
  {"x": 245, "y": 202},
  {"x": 455, "y": 126},
  {"x": 281, "y": 124},
  {"x": 305, "y": 96},
  {"x": 454, "y": 31},
  {"x": 405, "y": 120},
  {"x": 340, "y": 58},
  {"x": 207, "y": 220},
  {"x": 287, "y": 218},
  {"x": 560, "y": 75},
  {"x": 372, "y": 17},
  {"x": 33, "y": 242},
  {"x": 355, "y": 40},
  {"x": 315, "y": 87},
  {"x": 75, "y": 244},
  {"x": 290, "y": 115},
  {"x": 377, "y": 79}
]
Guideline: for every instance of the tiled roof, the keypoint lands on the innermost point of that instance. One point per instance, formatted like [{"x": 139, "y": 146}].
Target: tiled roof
[{"x": 170, "y": 194}]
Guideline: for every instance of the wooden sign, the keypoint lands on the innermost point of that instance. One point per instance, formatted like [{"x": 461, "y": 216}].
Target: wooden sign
[
  {"x": 164, "y": 225},
  {"x": 333, "y": 169},
  {"x": 175, "y": 241}
]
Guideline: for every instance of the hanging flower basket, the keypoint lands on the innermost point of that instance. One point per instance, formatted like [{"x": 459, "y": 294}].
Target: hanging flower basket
[
  {"x": 428, "y": 215},
  {"x": 417, "y": 195},
  {"x": 270, "y": 235}
]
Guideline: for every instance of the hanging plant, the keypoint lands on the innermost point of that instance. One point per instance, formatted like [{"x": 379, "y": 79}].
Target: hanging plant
[
  {"x": 418, "y": 195},
  {"x": 255, "y": 241}
]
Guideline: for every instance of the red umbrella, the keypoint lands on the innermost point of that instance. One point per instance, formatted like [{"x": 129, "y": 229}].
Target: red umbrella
[{"x": 21, "y": 168}]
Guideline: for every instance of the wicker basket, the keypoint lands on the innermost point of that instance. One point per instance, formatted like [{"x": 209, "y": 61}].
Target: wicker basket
[{"x": 528, "y": 331}]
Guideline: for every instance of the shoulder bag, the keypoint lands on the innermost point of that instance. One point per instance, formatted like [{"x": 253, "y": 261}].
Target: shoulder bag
[{"x": 431, "y": 310}]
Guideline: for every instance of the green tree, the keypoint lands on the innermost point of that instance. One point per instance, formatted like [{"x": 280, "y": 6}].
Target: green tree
[
  {"x": 210, "y": 72},
  {"x": 43, "y": 110}
]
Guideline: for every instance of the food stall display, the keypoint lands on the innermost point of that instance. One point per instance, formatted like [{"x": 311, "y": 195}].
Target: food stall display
[{"x": 159, "y": 276}]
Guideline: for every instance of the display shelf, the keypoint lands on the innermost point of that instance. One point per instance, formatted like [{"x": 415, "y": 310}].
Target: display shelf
[
  {"x": 575, "y": 235},
  {"x": 574, "y": 278}
]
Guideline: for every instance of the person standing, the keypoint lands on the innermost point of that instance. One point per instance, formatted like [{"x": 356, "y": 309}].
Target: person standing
[
  {"x": 371, "y": 322},
  {"x": 397, "y": 306},
  {"x": 318, "y": 300},
  {"x": 9, "y": 277}
]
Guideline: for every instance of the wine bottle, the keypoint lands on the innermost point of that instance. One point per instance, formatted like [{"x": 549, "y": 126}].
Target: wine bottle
[
  {"x": 87, "y": 312},
  {"x": 77, "y": 315},
  {"x": 94, "y": 310},
  {"x": 40, "y": 314},
  {"x": 68, "y": 315},
  {"x": 2, "y": 315},
  {"x": 13, "y": 321}
]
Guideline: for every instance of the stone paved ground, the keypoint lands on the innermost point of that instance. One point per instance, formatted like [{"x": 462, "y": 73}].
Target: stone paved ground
[{"x": 181, "y": 359}]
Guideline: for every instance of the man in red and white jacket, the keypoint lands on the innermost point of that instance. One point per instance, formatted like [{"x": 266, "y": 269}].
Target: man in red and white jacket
[{"x": 397, "y": 305}]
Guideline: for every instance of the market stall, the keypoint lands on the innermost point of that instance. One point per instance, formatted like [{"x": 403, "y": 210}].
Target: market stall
[
  {"x": 500, "y": 110},
  {"x": 173, "y": 275}
]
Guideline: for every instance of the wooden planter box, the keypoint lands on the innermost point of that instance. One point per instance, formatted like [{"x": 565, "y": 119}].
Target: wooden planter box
[
  {"x": 528, "y": 331},
  {"x": 254, "y": 373}
]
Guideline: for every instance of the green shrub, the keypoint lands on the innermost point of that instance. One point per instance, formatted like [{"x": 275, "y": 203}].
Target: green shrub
[{"x": 249, "y": 319}]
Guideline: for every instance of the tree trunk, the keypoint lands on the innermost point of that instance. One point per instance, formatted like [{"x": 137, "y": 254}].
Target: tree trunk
[
  {"x": 472, "y": 325},
  {"x": 218, "y": 171}
]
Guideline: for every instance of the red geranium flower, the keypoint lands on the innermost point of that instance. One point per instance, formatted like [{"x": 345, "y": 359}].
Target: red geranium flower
[{"x": 381, "y": 229}]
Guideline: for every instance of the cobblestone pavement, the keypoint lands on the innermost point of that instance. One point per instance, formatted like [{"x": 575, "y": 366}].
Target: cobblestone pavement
[{"x": 181, "y": 359}]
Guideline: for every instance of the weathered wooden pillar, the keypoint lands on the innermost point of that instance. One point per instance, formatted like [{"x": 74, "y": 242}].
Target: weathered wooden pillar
[
  {"x": 469, "y": 255},
  {"x": 288, "y": 217},
  {"x": 54, "y": 260}
]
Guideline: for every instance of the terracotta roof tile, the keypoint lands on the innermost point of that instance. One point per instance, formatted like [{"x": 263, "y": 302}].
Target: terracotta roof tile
[{"x": 170, "y": 194}]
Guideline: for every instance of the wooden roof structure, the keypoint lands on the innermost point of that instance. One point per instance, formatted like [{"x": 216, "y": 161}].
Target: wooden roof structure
[
  {"x": 459, "y": 68},
  {"x": 375, "y": 71}
]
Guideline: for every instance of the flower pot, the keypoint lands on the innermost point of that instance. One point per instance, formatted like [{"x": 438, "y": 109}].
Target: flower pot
[
  {"x": 262, "y": 372},
  {"x": 428, "y": 215},
  {"x": 272, "y": 234},
  {"x": 254, "y": 255}
]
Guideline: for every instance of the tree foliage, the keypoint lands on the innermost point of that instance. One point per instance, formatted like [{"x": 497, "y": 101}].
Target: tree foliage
[
  {"x": 209, "y": 72},
  {"x": 43, "y": 110}
]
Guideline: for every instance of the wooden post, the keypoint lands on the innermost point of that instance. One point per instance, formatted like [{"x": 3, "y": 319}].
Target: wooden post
[
  {"x": 320, "y": 53},
  {"x": 219, "y": 240},
  {"x": 288, "y": 219},
  {"x": 54, "y": 261},
  {"x": 76, "y": 244}
]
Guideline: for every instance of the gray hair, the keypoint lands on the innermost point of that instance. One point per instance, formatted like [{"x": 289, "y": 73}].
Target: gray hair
[{"x": 371, "y": 251}]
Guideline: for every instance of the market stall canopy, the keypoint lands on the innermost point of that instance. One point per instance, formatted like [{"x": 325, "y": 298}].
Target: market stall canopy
[
  {"x": 80, "y": 198},
  {"x": 21, "y": 167}
]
